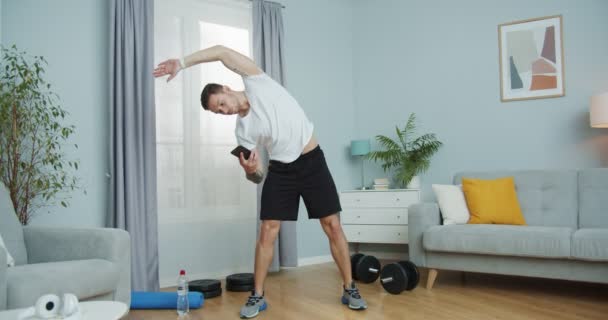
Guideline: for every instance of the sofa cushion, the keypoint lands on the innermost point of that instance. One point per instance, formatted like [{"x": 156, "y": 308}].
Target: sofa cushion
[
  {"x": 492, "y": 201},
  {"x": 84, "y": 278},
  {"x": 547, "y": 197},
  {"x": 526, "y": 241},
  {"x": 10, "y": 228},
  {"x": 593, "y": 197},
  {"x": 452, "y": 204},
  {"x": 590, "y": 244}
]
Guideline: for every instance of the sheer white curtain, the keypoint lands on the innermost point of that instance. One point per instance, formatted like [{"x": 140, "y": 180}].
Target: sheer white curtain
[{"x": 206, "y": 207}]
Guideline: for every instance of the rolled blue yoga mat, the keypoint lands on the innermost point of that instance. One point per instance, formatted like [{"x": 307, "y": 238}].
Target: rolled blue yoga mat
[{"x": 163, "y": 300}]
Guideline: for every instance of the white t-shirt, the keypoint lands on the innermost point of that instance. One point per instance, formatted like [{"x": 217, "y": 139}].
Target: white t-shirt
[{"x": 275, "y": 120}]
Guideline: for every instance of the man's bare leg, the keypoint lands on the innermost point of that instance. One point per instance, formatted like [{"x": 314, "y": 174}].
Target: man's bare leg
[
  {"x": 264, "y": 250},
  {"x": 338, "y": 245},
  {"x": 339, "y": 250}
]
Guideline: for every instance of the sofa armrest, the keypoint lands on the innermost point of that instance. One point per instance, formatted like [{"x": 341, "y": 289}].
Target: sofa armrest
[
  {"x": 50, "y": 244},
  {"x": 3, "y": 269},
  {"x": 421, "y": 217}
]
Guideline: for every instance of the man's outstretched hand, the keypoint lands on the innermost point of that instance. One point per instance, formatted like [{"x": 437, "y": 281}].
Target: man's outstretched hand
[{"x": 169, "y": 67}]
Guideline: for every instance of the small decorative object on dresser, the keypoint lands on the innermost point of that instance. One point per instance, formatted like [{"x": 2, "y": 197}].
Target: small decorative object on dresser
[
  {"x": 377, "y": 216},
  {"x": 381, "y": 184}
]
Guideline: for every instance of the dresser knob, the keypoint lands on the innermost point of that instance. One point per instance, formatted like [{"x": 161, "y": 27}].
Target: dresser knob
[
  {"x": 358, "y": 232},
  {"x": 399, "y": 233},
  {"x": 358, "y": 200},
  {"x": 397, "y": 199},
  {"x": 358, "y": 217},
  {"x": 398, "y": 217}
]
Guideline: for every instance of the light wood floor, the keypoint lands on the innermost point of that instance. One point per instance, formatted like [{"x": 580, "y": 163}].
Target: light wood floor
[{"x": 312, "y": 293}]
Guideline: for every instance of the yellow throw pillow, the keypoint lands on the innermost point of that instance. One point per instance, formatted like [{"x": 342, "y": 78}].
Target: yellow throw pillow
[{"x": 492, "y": 201}]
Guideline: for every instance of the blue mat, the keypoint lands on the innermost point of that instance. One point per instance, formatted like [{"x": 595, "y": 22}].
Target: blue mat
[{"x": 163, "y": 300}]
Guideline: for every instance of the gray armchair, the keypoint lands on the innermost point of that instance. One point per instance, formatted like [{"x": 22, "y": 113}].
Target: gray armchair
[{"x": 92, "y": 263}]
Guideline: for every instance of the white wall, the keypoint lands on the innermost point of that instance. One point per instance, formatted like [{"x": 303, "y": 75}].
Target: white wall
[
  {"x": 73, "y": 37},
  {"x": 319, "y": 57}
]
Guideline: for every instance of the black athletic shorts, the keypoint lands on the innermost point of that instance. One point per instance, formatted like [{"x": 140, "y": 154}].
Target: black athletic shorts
[{"x": 309, "y": 177}]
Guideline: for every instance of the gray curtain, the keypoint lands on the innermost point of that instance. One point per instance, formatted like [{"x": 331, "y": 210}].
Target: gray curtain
[
  {"x": 268, "y": 52},
  {"x": 133, "y": 205}
]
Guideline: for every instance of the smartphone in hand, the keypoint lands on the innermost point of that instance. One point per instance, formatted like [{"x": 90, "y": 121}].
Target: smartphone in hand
[{"x": 237, "y": 151}]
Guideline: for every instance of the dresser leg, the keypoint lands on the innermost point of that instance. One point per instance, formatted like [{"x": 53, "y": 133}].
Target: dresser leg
[{"x": 431, "y": 279}]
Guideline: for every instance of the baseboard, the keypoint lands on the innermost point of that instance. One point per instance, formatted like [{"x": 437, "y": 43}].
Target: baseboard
[
  {"x": 328, "y": 258},
  {"x": 220, "y": 275},
  {"x": 308, "y": 261},
  {"x": 381, "y": 251},
  {"x": 388, "y": 255}
]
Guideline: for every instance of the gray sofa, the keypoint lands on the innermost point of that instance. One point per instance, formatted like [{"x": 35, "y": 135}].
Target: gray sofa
[
  {"x": 93, "y": 263},
  {"x": 566, "y": 236}
]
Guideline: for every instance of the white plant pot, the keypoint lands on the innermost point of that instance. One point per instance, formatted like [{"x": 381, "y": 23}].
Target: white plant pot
[{"x": 414, "y": 183}]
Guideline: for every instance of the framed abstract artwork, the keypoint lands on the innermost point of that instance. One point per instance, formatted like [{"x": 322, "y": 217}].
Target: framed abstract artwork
[{"x": 531, "y": 58}]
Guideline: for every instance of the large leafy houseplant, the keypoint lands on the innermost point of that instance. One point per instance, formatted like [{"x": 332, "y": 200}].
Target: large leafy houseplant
[
  {"x": 408, "y": 155},
  {"x": 33, "y": 165}
]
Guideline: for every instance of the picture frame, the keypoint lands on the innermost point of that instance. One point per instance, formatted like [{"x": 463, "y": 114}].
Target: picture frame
[{"x": 531, "y": 59}]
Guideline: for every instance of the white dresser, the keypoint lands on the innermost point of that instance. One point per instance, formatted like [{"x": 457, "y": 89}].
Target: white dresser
[{"x": 377, "y": 216}]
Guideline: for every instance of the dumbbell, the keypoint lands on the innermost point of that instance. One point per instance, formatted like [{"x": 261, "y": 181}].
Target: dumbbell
[
  {"x": 364, "y": 268},
  {"x": 399, "y": 276}
]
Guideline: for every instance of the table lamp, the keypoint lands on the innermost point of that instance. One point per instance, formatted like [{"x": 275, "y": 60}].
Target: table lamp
[
  {"x": 598, "y": 115},
  {"x": 360, "y": 148}
]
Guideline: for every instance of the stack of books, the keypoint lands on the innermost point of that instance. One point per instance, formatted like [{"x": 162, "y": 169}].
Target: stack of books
[{"x": 381, "y": 184}]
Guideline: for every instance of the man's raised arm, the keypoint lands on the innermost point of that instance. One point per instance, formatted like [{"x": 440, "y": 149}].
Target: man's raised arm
[{"x": 230, "y": 58}]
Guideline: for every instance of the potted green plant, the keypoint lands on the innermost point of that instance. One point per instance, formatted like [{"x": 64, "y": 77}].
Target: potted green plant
[
  {"x": 33, "y": 165},
  {"x": 409, "y": 156}
]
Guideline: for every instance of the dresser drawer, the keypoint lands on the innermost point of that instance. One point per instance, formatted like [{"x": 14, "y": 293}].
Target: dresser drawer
[
  {"x": 375, "y": 233},
  {"x": 387, "y": 199},
  {"x": 374, "y": 216}
]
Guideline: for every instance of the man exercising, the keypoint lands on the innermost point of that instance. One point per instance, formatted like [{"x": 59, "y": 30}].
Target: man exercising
[{"x": 270, "y": 117}]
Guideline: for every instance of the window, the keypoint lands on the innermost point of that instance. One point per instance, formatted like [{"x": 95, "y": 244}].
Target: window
[{"x": 198, "y": 178}]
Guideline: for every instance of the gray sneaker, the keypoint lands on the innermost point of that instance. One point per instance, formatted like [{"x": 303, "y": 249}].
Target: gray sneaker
[
  {"x": 255, "y": 304},
  {"x": 353, "y": 299}
]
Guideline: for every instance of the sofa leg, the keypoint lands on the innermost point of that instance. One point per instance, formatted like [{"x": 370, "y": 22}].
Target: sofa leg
[{"x": 431, "y": 279}]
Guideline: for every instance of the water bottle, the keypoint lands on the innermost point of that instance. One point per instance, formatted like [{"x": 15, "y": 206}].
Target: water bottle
[{"x": 183, "y": 307}]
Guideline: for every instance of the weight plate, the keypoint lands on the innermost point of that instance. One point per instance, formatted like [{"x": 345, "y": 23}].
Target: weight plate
[
  {"x": 204, "y": 285},
  {"x": 393, "y": 278},
  {"x": 354, "y": 259},
  {"x": 212, "y": 294},
  {"x": 239, "y": 288},
  {"x": 239, "y": 279},
  {"x": 412, "y": 274},
  {"x": 368, "y": 269}
]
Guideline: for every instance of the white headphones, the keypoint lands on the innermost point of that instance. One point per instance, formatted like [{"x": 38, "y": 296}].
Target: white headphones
[{"x": 49, "y": 306}]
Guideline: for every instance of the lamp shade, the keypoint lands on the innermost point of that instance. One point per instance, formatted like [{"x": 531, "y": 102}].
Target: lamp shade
[
  {"x": 359, "y": 147},
  {"x": 598, "y": 114}
]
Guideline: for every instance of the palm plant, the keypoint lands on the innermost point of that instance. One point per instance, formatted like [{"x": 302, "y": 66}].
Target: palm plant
[{"x": 409, "y": 156}]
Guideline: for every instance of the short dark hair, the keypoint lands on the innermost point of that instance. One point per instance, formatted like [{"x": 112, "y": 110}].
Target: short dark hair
[{"x": 208, "y": 90}]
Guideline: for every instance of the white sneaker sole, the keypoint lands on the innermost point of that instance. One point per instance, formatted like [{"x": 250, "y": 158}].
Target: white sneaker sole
[{"x": 250, "y": 316}]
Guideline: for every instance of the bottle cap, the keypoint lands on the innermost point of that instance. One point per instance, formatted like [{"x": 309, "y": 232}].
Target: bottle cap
[{"x": 182, "y": 272}]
